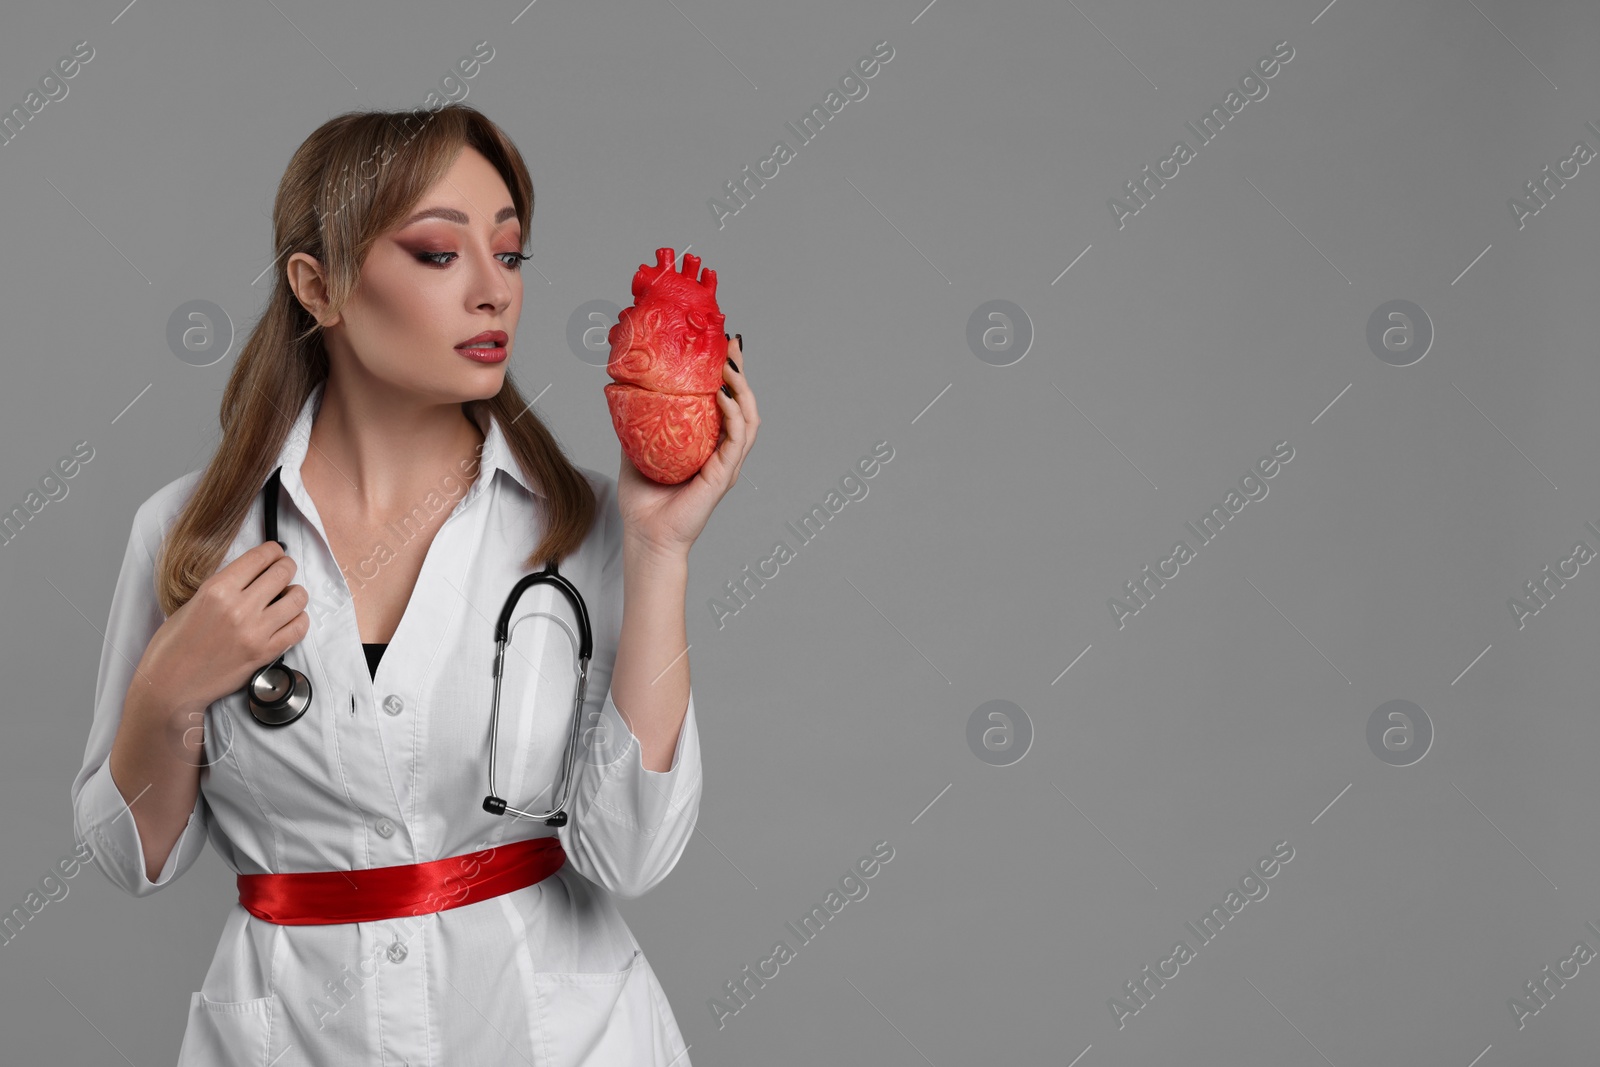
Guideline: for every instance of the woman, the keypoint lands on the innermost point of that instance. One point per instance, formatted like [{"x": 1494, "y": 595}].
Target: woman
[{"x": 385, "y": 915}]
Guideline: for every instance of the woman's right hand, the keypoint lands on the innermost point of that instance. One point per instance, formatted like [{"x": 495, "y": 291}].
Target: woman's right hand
[{"x": 232, "y": 626}]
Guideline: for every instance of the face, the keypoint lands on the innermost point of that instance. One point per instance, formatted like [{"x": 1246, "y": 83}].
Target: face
[{"x": 448, "y": 273}]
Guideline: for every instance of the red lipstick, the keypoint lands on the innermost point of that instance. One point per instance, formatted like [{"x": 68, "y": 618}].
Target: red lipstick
[{"x": 487, "y": 347}]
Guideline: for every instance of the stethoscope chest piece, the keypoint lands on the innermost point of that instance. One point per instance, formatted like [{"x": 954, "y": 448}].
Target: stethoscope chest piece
[{"x": 278, "y": 695}]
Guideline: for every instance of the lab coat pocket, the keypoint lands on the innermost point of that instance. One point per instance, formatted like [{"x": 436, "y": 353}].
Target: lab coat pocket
[
  {"x": 227, "y": 1033},
  {"x": 590, "y": 1019}
]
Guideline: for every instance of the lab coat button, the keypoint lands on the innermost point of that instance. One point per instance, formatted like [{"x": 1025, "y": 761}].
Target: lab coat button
[
  {"x": 397, "y": 952},
  {"x": 393, "y": 704},
  {"x": 385, "y": 828}
]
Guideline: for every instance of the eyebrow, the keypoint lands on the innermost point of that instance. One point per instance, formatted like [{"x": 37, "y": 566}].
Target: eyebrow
[{"x": 450, "y": 214}]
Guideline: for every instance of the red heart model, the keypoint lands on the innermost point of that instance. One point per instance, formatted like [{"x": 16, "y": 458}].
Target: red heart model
[{"x": 667, "y": 354}]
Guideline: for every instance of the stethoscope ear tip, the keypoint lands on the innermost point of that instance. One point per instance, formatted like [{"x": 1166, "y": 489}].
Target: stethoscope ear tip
[{"x": 497, "y": 806}]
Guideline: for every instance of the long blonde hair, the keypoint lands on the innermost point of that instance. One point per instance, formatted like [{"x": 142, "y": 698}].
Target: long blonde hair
[{"x": 357, "y": 176}]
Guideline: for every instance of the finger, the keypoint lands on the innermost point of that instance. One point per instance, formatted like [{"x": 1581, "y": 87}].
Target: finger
[
  {"x": 291, "y": 633},
  {"x": 742, "y": 393},
  {"x": 732, "y": 445},
  {"x": 282, "y": 612},
  {"x": 250, "y": 565},
  {"x": 270, "y": 583},
  {"x": 736, "y": 443},
  {"x": 733, "y": 420}
]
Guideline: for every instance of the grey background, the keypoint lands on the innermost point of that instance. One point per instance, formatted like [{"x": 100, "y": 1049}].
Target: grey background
[{"x": 1228, "y": 315}]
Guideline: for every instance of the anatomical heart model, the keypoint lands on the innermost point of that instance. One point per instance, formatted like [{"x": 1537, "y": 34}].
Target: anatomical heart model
[{"x": 667, "y": 354}]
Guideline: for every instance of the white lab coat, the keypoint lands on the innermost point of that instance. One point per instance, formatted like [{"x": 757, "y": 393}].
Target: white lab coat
[{"x": 393, "y": 770}]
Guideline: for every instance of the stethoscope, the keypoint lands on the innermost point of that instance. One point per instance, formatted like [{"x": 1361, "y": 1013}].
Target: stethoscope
[{"x": 278, "y": 695}]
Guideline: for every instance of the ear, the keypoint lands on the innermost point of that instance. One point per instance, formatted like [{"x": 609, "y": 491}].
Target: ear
[{"x": 310, "y": 287}]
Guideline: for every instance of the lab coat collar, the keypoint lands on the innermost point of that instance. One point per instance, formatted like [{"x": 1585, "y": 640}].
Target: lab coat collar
[{"x": 496, "y": 455}]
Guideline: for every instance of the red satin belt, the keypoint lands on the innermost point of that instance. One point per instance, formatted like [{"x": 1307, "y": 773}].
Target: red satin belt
[{"x": 323, "y": 898}]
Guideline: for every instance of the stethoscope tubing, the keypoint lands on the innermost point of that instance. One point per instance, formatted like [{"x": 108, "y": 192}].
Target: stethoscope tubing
[{"x": 279, "y": 695}]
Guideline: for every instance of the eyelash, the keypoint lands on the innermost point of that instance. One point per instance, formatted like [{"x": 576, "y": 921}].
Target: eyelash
[{"x": 428, "y": 257}]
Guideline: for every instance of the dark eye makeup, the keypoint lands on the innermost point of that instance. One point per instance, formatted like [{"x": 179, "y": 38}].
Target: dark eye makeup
[{"x": 436, "y": 259}]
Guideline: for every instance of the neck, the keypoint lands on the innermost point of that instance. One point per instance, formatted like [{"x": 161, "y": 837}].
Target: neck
[{"x": 379, "y": 444}]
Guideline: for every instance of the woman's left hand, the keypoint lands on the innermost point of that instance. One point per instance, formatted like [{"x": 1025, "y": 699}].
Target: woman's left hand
[{"x": 666, "y": 519}]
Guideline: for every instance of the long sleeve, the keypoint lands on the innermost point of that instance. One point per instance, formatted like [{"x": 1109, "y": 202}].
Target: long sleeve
[
  {"x": 627, "y": 825},
  {"x": 101, "y": 818}
]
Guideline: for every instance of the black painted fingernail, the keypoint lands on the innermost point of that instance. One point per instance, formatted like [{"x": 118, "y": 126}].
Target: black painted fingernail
[
  {"x": 725, "y": 337},
  {"x": 734, "y": 365},
  {"x": 726, "y": 390},
  {"x": 740, "y": 338}
]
